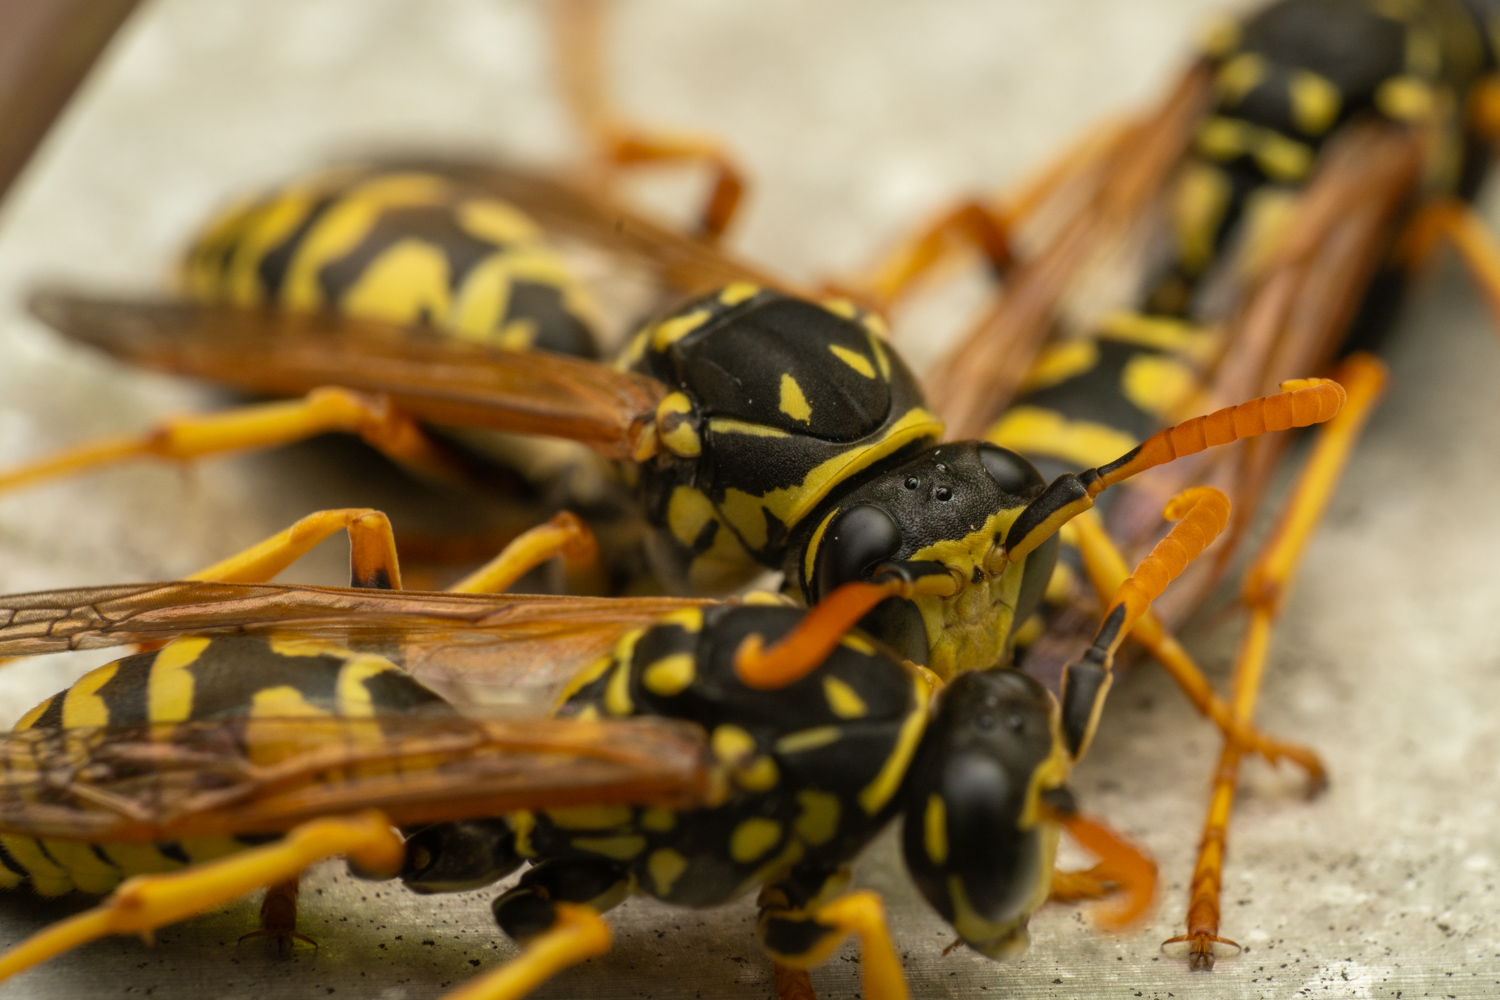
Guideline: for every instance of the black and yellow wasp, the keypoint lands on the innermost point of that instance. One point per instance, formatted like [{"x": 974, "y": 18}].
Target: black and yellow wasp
[
  {"x": 269, "y": 727},
  {"x": 1275, "y": 205}
]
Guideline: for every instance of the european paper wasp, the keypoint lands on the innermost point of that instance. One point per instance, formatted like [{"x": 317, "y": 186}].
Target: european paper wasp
[{"x": 1274, "y": 205}]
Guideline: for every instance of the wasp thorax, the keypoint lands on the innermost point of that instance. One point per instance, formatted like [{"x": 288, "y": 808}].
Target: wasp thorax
[
  {"x": 775, "y": 403},
  {"x": 972, "y": 836}
]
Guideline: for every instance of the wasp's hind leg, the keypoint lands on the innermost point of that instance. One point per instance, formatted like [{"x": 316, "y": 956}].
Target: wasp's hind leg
[
  {"x": 802, "y": 921},
  {"x": 266, "y": 425},
  {"x": 565, "y": 535},
  {"x": 1265, "y": 584},
  {"x": 1107, "y": 570}
]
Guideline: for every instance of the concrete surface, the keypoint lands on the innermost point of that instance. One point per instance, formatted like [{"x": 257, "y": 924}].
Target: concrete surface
[{"x": 854, "y": 118}]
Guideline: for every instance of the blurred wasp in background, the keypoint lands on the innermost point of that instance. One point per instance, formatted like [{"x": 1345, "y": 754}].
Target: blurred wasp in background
[{"x": 1273, "y": 208}]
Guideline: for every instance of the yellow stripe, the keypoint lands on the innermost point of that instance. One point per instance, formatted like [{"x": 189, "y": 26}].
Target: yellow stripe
[
  {"x": 854, "y": 360},
  {"x": 169, "y": 688},
  {"x": 87, "y": 871},
  {"x": 46, "y": 878},
  {"x": 1032, "y": 430},
  {"x": 82, "y": 706},
  {"x": 1162, "y": 333},
  {"x": 878, "y": 792}
]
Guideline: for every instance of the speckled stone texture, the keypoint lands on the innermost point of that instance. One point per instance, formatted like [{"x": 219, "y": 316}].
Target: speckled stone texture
[{"x": 854, "y": 118}]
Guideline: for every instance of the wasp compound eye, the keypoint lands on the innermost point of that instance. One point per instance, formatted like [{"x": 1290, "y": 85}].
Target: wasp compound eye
[
  {"x": 856, "y": 540},
  {"x": 1012, "y": 473},
  {"x": 963, "y": 838}
]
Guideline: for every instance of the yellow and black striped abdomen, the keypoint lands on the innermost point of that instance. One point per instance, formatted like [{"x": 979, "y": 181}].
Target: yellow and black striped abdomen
[
  {"x": 401, "y": 246},
  {"x": 196, "y": 679}
]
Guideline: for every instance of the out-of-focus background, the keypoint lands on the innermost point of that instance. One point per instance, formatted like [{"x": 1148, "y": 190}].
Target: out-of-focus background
[{"x": 854, "y": 120}]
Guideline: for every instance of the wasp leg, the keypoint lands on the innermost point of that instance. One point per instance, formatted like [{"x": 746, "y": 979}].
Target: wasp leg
[
  {"x": 1201, "y": 514},
  {"x": 142, "y": 904},
  {"x": 278, "y": 918},
  {"x": 1107, "y": 570},
  {"x": 564, "y": 535},
  {"x": 577, "y": 934},
  {"x": 578, "y": 38},
  {"x": 984, "y": 225},
  {"x": 267, "y": 425},
  {"x": 372, "y": 550},
  {"x": 1123, "y": 870},
  {"x": 800, "y": 938},
  {"x": 1265, "y": 585},
  {"x": 1455, "y": 221},
  {"x": 530, "y": 908}
]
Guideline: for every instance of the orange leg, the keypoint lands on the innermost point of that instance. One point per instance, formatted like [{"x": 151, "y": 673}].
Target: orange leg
[
  {"x": 265, "y": 425},
  {"x": 278, "y": 918},
  {"x": 578, "y": 40},
  {"x": 1265, "y": 585},
  {"x": 565, "y": 535},
  {"x": 1107, "y": 571},
  {"x": 980, "y": 224},
  {"x": 1456, "y": 222}
]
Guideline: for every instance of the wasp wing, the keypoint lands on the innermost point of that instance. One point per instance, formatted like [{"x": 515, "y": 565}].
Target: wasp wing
[
  {"x": 494, "y": 653},
  {"x": 438, "y": 379},
  {"x": 689, "y": 265},
  {"x": 247, "y": 774},
  {"x": 973, "y": 382}
]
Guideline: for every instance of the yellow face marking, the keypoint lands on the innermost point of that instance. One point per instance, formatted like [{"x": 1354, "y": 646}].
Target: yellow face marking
[
  {"x": 169, "y": 688},
  {"x": 878, "y": 792},
  {"x": 791, "y": 504},
  {"x": 935, "y": 830},
  {"x": 841, "y": 307},
  {"x": 665, "y": 866},
  {"x": 496, "y": 222},
  {"x": 1058, "y": 363},
  {"x": 732, "y": 745},
  {"x": 82, "y": 705},
  {"x": 854, "y": 360},
  {"x": 843, "y": 700},
  {"x": 1405, "y": 98},
  {"x": 793, "y": 402},
  {"x": 818, "y": 820},
  {"x": 590, "y": 817},
  {"x": 753, "y": 838},
  {"x": 1199, "y": 200},
  {"x": 760, "y": 775},
  {"x": 620, "y": 848},
  {"x": 669, "y": 675},
  {"x": 1240, "y": 75},
  {"x": 1157, "y": 384},
  {"x": 1316, "y": 102},
  {"x": 807, "y": 739},
  {"x": 738, "y": 292},
  {"x": 1032, "y": 430},
  {"x": 671, "y": 331},
  {"x": 658, "y": 820}
]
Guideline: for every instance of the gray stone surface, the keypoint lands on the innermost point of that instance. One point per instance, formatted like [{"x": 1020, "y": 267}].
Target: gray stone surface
[{"x": 854, "y": 118}]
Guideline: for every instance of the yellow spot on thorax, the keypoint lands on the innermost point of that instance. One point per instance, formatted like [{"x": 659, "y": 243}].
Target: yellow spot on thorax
[
  {"x": 669, "y": 332},
  {"x": 854, "y": 360},
  {"x": 1059, "y": 362},
  {"x": 737, "y": 292},
  {"x": 753, "y": 838},
  {"x": 843, "y": 700},
  {"x": 793, "y": 403},
  {"x": 1240, "y": 75},
  {"x": 665, "y": 866},
  {"x": 1316, "y": 102},
  {"x": 731, "y": 744},
  {"x": 1156, "y": 384},
  {"x": 1200, "y": 198},
  {"x": 669, "y": 675},
  {"x": 818, "y": 819}
]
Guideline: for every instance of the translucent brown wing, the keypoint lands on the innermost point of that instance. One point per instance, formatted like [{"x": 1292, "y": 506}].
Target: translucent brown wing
[
  {"x": 46, "y": 49},
  {"x": 265, "y": 775},
  {"x": 971, "y": 385},
  {"x": 494, "y": 653},
  {"x": 689, "y": 265},
  {"x": 438, "y": 379}
]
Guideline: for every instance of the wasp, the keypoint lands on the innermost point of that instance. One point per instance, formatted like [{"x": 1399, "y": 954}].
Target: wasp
[
  {"x": 1276, "y": 204},
  {"x": 270, "y": 726}
]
